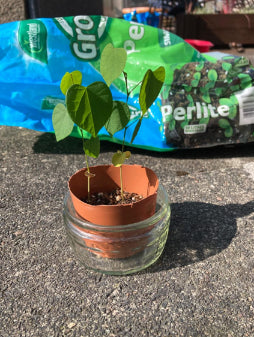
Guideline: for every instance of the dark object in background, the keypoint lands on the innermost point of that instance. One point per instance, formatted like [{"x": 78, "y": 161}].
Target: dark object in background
[{"x": 56, "y": 8}]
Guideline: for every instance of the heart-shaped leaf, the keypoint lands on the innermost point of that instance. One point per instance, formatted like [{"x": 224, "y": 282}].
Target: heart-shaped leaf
[
  {"x": 62, "y": 123},
  {"x": 92, "y": 147},
  {"x": 90, "y": 107},
  {"x": 69, "y": 79},
  {"x": 119, "y": 118},
  {"x": 113, "y": 61},
  {"x": 119, "y": 158},
  {"x": 151, "y": 87}
]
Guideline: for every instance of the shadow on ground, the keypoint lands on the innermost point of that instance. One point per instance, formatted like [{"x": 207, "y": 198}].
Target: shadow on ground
[
  {"x": 199, "y": 230},
  {"x": 46, "y": 143}
]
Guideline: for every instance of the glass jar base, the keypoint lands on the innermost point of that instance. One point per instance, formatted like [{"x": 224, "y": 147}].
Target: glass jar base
[{"x": 118, "y": 250}]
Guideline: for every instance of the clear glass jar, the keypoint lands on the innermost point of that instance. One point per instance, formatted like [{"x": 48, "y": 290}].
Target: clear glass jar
[{"x": 118, "y": 250}]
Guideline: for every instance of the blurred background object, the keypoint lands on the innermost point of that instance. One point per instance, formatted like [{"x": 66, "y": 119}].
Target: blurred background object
[{"x": 53, "y": 8}]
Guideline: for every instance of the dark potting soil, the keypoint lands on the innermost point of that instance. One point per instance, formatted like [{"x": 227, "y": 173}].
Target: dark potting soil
[{"x": 113, "y": 198}]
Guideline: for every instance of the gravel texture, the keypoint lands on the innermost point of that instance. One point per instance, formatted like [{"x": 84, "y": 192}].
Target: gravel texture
[
  {"x": 12, "y": 10},
  {"x": 203, "y": 284}
]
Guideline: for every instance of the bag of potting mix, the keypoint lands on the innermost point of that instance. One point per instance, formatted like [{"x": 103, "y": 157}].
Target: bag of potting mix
[{"x": 205, "y": 100}]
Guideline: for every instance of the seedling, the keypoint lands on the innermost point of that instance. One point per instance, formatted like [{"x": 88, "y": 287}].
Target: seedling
[{"x": 92, "y": 107}]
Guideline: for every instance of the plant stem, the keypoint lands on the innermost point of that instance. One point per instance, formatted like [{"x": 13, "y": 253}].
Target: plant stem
[
  {"x": 124, "y": 135},
  {"x": 123, "y": 143},
  {"x": 126, "y": 127},
  {"x": 87, "y": 167},
  {"x": 121, "y": 179},
  {"x": 127, "y": 98},
  {"x": 88, "y": 179}
]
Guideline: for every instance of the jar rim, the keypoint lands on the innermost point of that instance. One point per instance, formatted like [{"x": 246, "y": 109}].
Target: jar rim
[{"x": 162, "y": 209}]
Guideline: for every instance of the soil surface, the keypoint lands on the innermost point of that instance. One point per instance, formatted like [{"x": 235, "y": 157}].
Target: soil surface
[{"x": 113, "y": 198}]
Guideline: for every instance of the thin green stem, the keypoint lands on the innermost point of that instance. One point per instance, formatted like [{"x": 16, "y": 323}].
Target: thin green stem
[
  {"x": 87, "y": 166},
  {"x": 121, "y": 179},
  {"x": 123, "y": 143},
  {"x": 88, "y": 179},
  {"x": 126, "y": 127},
  {"x": 135, "y": 87},
  {"x": 127, "y": 98},
  {"x": 124, "y": 135}
]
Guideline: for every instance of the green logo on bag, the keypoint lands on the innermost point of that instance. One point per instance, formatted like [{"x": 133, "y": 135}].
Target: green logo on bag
[
  {"x": 49, "y": 102},
  {"x": 32, "y": 37},
  {"x": 83, "y": 32}
]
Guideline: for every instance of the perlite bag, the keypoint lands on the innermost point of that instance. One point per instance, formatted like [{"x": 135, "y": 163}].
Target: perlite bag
[{"x": 204, "y": 101}]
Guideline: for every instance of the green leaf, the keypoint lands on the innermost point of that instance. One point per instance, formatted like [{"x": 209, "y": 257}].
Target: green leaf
[
  {"x": 194, "y": 83},
  {"x": 218, "y": 91},
  {"x": 234, "y": 88},
  {"x": 135, "y": 132},
  {"x": 226, "y": 66},
  {"x": 119, "y": 118},
  {"x": 187, "y": 88},
  {"x": 210, "y": 85},
  {"x": 206, "y": 98},
  {"x": 232, "y": 111},
  {"x": 113, "y": 61},
  {"x": 200, "y": 66},
  {"x": 212, "y": 75},
  {"x": 204, "y": 91},
  {"x": 90, "y": 107},
  {"x": 119, "y": 158},
  {"x": 151, "y": 87},
  {"x": 234, "y": 100},
  {"x": 190, "y": 99},
  {"x": 224, "y": 123},
  {"x": 233, "y": 72},
  {"x": 204, "y": 120},
  {"x": 91, "y": 147},
  {"x": 69, "y": 79},
  {"x": 228, "y": 132},
  {"x": 246, "y": 80},
  {"x": 172, "y": 125},
  {"x": 62, "y": 123},
  {"x": 225, "y": 101},
  {"x": 197, "y": 76}
]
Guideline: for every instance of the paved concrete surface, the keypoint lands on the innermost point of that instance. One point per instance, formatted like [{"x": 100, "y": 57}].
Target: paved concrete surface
[
  {"x": 203, "y": 284},
  {"x": 12, "y": 10}
]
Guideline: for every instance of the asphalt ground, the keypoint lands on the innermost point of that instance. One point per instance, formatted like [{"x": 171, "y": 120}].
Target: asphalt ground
[{"x": 203, "y": 284}]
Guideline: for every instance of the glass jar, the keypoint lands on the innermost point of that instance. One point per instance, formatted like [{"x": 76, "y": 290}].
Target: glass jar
[{"x": 118, "y": 250}]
